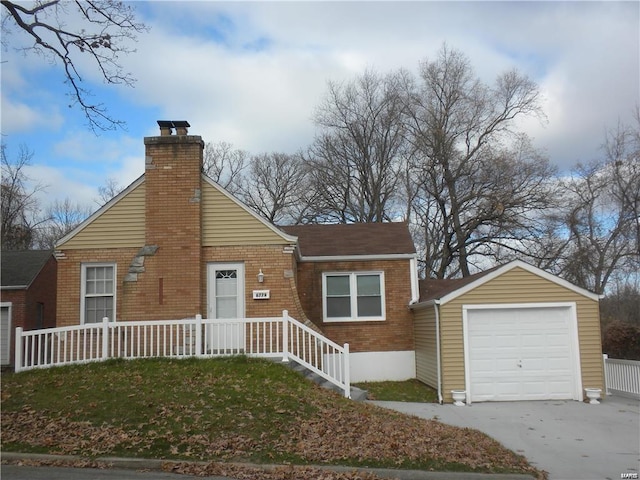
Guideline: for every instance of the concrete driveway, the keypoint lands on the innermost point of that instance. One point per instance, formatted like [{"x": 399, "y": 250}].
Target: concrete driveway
[{"x": 569, "y": 439}]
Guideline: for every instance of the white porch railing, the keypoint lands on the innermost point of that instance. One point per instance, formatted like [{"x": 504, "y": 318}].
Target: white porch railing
[
  {"x": 622, "y": 377},
  {"x": 273, "y": 337}
]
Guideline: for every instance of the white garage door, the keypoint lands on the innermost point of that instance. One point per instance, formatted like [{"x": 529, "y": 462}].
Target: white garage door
[{"x": 522, "y": 353}]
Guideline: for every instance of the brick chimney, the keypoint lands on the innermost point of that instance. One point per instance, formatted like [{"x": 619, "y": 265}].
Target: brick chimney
[{"x": 173, "y": 166}]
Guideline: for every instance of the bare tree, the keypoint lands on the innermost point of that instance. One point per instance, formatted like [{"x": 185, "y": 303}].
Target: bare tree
[
  {"x": 68, "y": 31},
  {"x": 356, "y": 159},
  {"x": 61, "y": 218},
  {"x": 20, "y": 206},
  {"x": 276, "y": 187},
  {"x": 602, "y": 213},
  {"x": 478, "y": 178},
  {"x": 106, "y": 192},
  {"x": 225, "y": 164}
]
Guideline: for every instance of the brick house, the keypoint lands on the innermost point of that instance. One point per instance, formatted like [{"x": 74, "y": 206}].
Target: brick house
[
  {"x": 28, "y": 296},
  {"x": 175, "y": 244}
]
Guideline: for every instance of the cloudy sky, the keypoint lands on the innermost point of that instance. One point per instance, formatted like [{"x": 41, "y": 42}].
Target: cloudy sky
[{"x": 252, "y": 73}]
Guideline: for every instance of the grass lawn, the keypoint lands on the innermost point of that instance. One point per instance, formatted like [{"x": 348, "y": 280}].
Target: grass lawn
[
  {"x": 234, "y": 409},
  {"x": 407, "y": 391}
]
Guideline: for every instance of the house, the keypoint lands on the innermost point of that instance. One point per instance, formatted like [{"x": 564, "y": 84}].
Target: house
[
  {"x": 514, "y": 332},
  {"x": 28, "y": 295},
  {"x": 175, "y": 244}
]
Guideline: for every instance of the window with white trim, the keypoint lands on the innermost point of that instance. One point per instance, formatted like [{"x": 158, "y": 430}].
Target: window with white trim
[
  {"x": 98, "y": 292},
  {"x": 353, "y": 296}
]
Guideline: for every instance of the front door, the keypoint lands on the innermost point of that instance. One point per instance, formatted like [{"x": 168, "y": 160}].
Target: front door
[{"x": 225, "y": 304}]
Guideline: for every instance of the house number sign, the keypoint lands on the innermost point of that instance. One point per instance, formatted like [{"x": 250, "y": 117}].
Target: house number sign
[{"x": 261, "y": 294}]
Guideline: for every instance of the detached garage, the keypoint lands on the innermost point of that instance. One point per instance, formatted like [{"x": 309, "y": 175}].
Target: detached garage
[{"x": 514, "y": 332}]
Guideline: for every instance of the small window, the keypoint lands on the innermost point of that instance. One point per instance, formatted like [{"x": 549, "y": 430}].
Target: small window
[
  {"x": 353, "y": 296},
  {"x": 98, "y": 292}
]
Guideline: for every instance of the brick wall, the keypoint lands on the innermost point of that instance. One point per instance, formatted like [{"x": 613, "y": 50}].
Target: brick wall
[
  {"x": 173, "y": 167},
  {"x": 393, "y": 334},
  {"x": 277, "y": 268},
  {"x": 69, "y": 283}
]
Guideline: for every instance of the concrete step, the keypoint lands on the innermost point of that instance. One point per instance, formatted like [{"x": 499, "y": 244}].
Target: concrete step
[{"x": 357, "y": 394}]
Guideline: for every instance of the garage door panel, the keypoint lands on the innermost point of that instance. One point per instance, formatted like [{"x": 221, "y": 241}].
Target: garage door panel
[{"x": 522, "y": 353}]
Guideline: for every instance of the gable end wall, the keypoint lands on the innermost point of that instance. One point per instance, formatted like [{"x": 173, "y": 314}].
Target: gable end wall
[{"x": 518, "y": 286}]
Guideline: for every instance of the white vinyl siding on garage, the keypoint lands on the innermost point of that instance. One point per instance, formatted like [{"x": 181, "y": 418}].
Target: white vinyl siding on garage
[{"x": 521, "y": 352}]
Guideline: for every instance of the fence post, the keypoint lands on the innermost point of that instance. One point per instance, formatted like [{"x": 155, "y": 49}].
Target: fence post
[
  {"x": 105, "y": 338},
  {"x": 347, "y": 372},
  {"x": 285, "y": 336},
  {"x": 198, "y": 335},
  {"x": 18, "y": 350},
  {"x": 605, "y": 357}
]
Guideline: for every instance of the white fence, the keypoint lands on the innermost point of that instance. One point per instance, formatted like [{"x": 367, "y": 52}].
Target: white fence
[
  {"x": 274, "y": 337},
  {"x": 622, "y": 377}
]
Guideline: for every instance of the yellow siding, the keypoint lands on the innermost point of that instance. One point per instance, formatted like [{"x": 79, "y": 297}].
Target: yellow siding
[
  {"x": 121, "y": 225},
  {"x": 426, "y": 349},
  {"x": 224, "y": 222},
  {"x": 519, "y": 286}
]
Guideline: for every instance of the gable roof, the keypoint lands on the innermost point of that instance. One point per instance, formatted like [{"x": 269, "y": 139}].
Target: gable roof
[
  {"x": 340, "y": 241},
  {"x": 20, "y": 268},
  {"x": 250, "y": 212},
  {"x": 114, "y": 204},
  {"x": 102, "y": 210},
  {"x": 435, "y": 288},
  {"x": 444, "y": 291}
]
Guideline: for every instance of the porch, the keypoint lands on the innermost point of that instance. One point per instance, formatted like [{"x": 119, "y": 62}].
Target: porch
[{"x": 282, "y": 338}]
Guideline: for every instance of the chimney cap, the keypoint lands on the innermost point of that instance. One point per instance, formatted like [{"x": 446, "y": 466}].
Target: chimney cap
[{"x": 166, "y": 126}]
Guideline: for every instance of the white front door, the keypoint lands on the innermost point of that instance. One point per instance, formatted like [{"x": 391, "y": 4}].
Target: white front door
[
  {"x": 522, "y": 353},
  {"x": 225, "y": 303}
]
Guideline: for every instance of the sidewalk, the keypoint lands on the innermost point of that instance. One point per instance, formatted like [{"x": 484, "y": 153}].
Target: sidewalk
[{"x": 117, "y": 465}]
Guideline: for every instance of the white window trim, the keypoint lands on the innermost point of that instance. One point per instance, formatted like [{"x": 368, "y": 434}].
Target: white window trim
[
  {"x": 83, "y": 287},
  {"x": 353, "y": 290}
]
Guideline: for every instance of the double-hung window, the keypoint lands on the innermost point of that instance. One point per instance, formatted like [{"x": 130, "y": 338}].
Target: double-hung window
[
  {"x": 353, "y": 296},
  {"x": 98, "y": 292}
]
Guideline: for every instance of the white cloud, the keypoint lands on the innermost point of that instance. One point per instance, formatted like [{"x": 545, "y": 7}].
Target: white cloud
[{"x": 252, "y": 73}]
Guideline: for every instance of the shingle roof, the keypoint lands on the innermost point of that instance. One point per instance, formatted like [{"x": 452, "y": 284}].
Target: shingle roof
[
  {"x": 432, "y": 288},
  {"x": 19, "y": 268},
  {"x": 352, "y": 239}
]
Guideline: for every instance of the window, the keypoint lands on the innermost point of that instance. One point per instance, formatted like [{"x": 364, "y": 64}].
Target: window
[
  {"x": 98, "y": 292},
  {"x": 353, "y": 296}
]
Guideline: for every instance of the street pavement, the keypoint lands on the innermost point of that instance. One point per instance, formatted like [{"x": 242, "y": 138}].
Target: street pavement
[{"x": 570, "y": 440}]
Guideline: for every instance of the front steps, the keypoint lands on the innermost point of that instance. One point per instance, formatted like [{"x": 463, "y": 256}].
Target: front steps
[{"x": 357, "y": 394}]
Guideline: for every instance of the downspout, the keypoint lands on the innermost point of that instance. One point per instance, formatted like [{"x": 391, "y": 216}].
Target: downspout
[
  {"x": 436, "y": 309},
  {"x": 413, "y": 275}
]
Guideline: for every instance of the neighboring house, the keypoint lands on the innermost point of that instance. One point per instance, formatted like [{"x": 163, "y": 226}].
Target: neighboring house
[
  {"x": 514, "y": 332},
  {"x": 28, "y": 295},
  {"x": 175, "y": 244}
]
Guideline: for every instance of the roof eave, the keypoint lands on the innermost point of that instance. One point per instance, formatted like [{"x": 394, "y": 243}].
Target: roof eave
[{"x": 355, "y": 258}]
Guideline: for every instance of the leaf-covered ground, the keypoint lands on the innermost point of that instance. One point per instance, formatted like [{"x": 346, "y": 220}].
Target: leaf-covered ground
[{"x": 232, "y": 410}]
